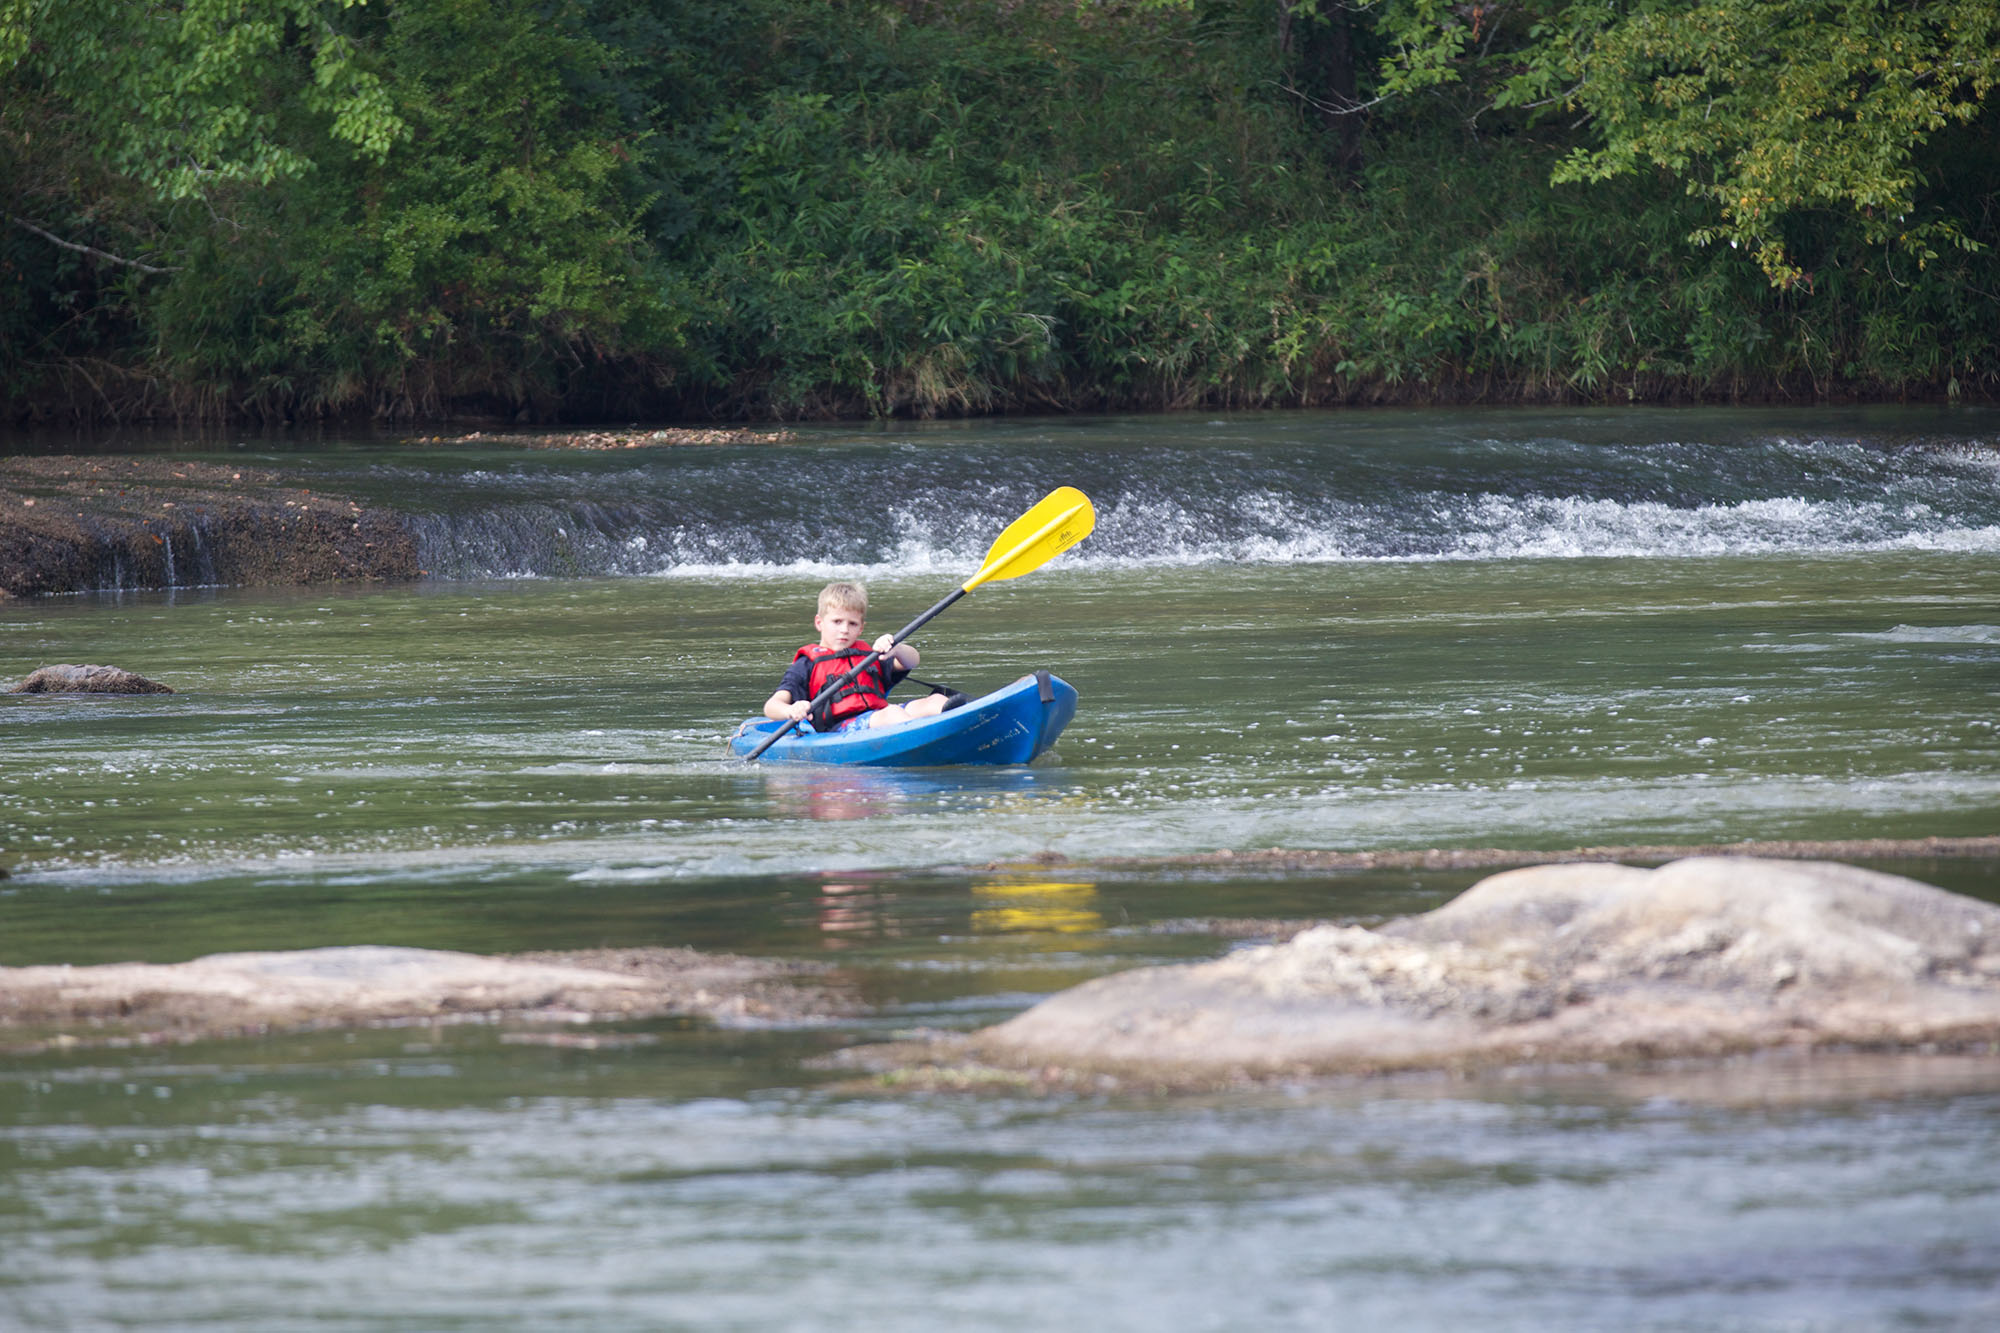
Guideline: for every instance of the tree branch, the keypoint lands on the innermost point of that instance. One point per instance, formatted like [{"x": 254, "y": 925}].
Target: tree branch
[
  {"x": 1349, "y": 109},
  {"x": 51, "y": 237}
]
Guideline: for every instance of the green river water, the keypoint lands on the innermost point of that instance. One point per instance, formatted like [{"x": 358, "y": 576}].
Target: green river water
[{"x": 1352, "y": 631}]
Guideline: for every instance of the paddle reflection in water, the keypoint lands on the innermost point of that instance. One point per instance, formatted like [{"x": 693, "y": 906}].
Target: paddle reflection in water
[
  {"x": 1064, "y": 907},
  {"x": 863, "y": 910}
]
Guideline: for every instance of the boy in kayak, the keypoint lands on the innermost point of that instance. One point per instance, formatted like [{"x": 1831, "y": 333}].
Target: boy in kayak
[{"x": 864, "y": 701}]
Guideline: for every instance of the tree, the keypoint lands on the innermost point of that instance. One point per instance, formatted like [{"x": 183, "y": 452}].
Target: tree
[
  {"x": 187, "y": 95},
  {"x": 332, "y": 203},
  {"x": 1769, "y": 109}
]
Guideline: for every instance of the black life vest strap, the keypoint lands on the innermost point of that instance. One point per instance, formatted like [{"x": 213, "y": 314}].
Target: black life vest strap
[{"x": 953, "y": 698}]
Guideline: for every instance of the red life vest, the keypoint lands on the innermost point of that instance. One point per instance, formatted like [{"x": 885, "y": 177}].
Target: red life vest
[{"x": 866, "y": 692}]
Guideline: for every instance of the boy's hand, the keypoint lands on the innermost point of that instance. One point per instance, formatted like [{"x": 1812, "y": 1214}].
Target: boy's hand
[
  {"x": 886, "y": 644},
  {"x": 797, "y": 711}
]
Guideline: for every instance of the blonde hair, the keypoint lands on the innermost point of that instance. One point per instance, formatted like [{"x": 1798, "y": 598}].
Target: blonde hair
[{"x": 846, "y": 596}]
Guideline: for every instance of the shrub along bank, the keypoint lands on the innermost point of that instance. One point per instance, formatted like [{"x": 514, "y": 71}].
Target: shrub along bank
[{"x": 606, "y": 209}]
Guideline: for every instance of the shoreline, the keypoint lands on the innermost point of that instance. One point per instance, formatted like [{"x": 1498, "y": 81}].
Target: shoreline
[
  {"x": 476, "y": 427},
  {"x": 1450, "y": 387}
]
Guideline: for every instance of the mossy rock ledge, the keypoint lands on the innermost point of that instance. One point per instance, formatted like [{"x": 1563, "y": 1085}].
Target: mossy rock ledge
[
  {"x": 1549, "y": 965},
  {"x": 88, "y": 524}
]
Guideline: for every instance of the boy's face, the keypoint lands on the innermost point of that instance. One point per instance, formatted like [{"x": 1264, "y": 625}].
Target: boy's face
[{"x": 839, "y": 626}]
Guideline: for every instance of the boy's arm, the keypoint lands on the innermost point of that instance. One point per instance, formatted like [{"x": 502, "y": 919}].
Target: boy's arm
[
  {"x": 797, "y": 684},
  {"x": 904, "y": 656},
  {"x": 780, "y": 708}
]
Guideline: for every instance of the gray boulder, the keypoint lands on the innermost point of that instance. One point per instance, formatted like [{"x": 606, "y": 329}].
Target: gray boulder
[
  {"x": 66, "y": 679},
  {"x": 230, "y": 993},
  {"x": 1562, "y": 963}
]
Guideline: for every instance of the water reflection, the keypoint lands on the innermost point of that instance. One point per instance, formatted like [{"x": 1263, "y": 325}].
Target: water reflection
[
  {"x": 1061, "y": 907},
  {"x": 861, "y": 909},
  {"x": 831, "y": 792},
  {"x": 854, "y": 910}
]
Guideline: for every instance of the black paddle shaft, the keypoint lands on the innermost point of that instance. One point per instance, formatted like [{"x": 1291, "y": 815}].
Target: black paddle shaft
[{"x": 848, "y": 675}]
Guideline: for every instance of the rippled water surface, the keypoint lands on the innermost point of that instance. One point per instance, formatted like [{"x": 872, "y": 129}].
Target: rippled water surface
[{"x": 1361, "y": 630}]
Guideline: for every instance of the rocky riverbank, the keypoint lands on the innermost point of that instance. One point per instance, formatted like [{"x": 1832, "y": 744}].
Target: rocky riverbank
[{"x": 81, "y": 524}]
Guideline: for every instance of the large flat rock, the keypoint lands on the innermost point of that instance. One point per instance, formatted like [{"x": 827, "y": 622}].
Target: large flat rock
[
  {"x": 1553, "y": 964},
  {"x": 233, "y": 992}
]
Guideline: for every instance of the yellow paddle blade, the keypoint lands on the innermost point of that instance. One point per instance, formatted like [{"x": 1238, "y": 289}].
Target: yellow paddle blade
[{"x": 1063, "y": 518}]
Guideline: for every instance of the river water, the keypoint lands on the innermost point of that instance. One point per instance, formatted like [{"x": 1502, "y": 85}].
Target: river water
[{"x": 1352, "y": 630}]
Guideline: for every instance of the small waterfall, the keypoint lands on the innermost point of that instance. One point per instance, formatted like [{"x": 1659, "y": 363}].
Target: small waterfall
[
  {"x": 203, "y": 571},
  {"x": 1476, "y": 500},
  {"x": 1299, "y": 490}
]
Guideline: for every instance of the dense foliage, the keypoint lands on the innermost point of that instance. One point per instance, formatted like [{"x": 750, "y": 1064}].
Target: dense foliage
[{"x": 604, "y": 208}]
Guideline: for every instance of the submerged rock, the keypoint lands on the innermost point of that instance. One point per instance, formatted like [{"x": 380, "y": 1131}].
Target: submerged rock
[
  {"x": 235, "y": 992},
  {"x": 66, "y": 679},
  {"x": 1552, "y": 964}
]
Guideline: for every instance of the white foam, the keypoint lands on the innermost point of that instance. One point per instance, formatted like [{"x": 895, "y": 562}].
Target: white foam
[
  {"x": 1982, "y": 456},
  {"x": 1492, "y": 528},
  {"x": 1846, "y": 499},
  {"x": 1933, "y": 634}
]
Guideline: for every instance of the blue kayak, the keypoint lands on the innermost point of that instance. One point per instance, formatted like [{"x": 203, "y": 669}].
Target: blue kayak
[{"x": 1009, "y": 726}]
